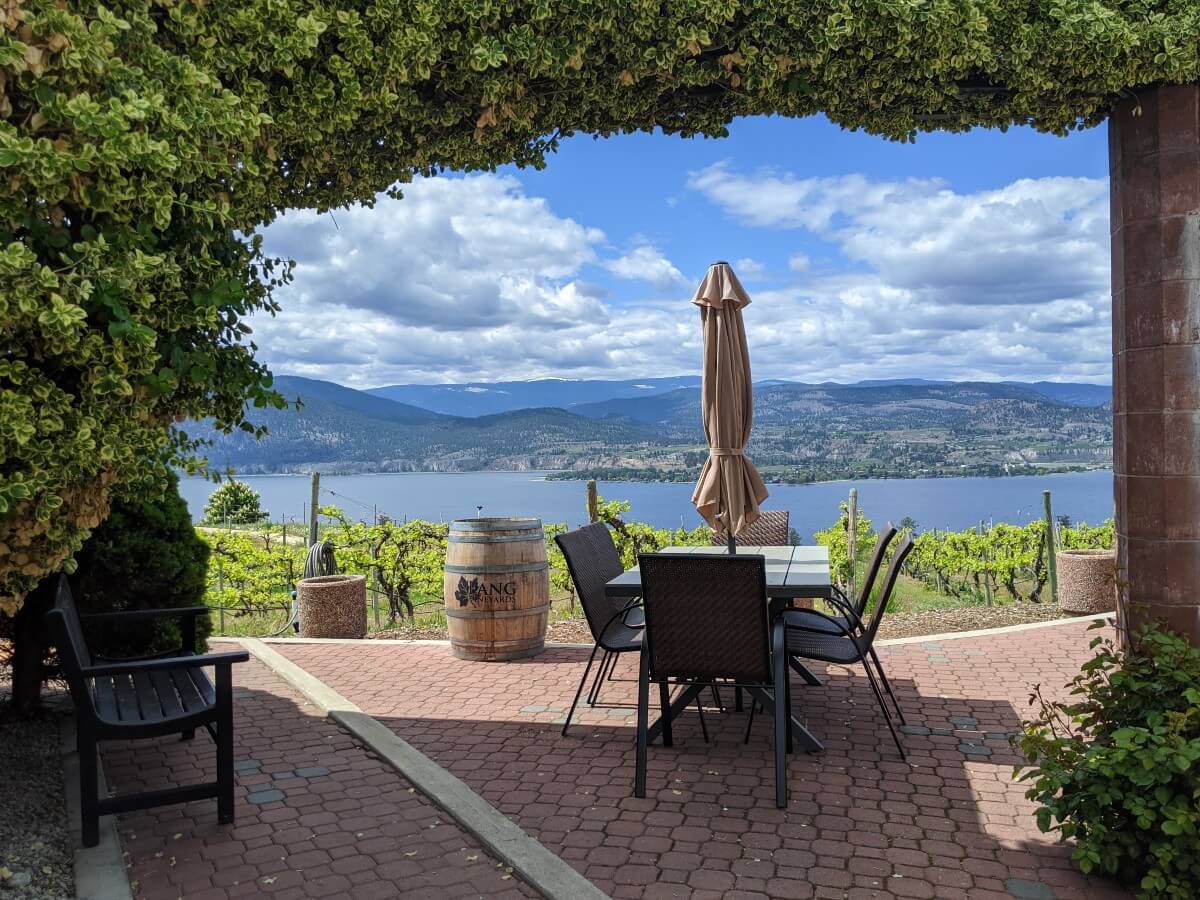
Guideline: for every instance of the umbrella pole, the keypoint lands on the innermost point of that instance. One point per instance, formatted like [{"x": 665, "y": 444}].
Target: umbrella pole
[{"x": 731, "y": 541}]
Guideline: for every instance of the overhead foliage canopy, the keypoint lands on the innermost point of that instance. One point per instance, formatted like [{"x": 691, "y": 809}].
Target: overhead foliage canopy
[{"x": 142, "y": 143}]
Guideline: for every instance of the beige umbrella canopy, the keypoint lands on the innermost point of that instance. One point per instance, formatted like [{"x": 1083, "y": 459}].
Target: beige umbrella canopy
[{"x": 730, "y": 488}]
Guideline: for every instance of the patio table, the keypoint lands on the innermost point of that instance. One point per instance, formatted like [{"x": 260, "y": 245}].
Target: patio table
[{"x": 792, "y": 572}]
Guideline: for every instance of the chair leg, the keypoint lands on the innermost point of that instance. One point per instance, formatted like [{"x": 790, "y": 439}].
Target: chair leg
[
  {"x": 664, "y": 700},
  {"x": 737, "y": 699},
  {"x": 188, "y": 735},
  {"x": 703, "y": 724},
  {"x": 643, "y": 726},
  {"x": 887, "y": 686},
  {"x": 89, "y": 791},
  {"x": 594, "y": 691},
  {"x": 579, "y": 690},
  {"x": 750, "y": 721},
  {"x": 716, "y": 695},
  {"x": 887, "y": 716},
  {"x": 782, "y": 716},
  {"x": 225, "y": 777}
]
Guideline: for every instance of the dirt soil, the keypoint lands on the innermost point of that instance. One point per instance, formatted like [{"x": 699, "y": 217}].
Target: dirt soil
[
  {"x": 36, "y": 858},
  {"x": 896, "y": 625}
]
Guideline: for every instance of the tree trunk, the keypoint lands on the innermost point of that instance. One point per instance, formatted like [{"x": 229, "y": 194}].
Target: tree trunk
[{"x": 29, "y": 648}]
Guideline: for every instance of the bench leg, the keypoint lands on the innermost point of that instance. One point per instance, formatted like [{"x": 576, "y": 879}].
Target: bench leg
[
  {"x": 225, "y": 777},
  {"x": 89, "y": 790}
]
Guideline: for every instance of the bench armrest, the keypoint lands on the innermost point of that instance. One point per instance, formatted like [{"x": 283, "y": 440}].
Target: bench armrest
[
  {"x": 163, "y": 665},
  {"x": 141, "y": 615}
]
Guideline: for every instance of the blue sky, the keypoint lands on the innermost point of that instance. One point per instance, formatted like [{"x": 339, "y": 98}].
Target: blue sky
[{"x": 982, "y": 255}]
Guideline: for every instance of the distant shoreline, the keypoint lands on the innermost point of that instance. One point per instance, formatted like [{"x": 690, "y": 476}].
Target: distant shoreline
[{"x": 583, "y": 477}]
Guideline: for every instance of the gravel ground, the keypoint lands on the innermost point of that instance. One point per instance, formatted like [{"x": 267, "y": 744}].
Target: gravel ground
[
  {"x": 36, "y": 859},
  {"x": 896, "y": 625}
]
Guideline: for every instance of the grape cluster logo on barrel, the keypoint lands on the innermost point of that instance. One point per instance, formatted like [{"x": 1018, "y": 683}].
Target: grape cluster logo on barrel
[
  {"x": 475, "y": 593},
  {"x": 466, "y": 591}
]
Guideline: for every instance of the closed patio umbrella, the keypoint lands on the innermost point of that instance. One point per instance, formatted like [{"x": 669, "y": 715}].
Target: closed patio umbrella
[{"x": 730, "y": 488}]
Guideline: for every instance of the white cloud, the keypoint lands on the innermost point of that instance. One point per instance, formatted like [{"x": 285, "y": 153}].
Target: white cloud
[
  {"x": 463, "y": 279},
  {"x": 471, "y": 278},
  {"x": 1011, "y": 282},
  {"x": 647, "y": 263},
  {"x": 749, "y": 269}
]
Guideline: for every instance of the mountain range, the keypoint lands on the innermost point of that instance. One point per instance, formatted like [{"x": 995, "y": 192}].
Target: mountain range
[
  {"x": 650, "y": 428},
  {"x": 481, "y": 398}
]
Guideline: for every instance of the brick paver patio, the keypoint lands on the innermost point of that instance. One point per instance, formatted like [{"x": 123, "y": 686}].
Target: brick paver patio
[
  {"x": 317, "y": 816},
  {"x": 861, "y": 823}
]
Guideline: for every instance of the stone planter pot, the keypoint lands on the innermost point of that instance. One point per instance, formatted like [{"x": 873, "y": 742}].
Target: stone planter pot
[
  {"x": 1086, "y": 580},
  {"x": 333, "y": 606}
]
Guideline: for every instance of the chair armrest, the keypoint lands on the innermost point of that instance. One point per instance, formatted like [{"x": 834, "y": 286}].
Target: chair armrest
[
  {"x": 163, "y": 665},
  {"x": 832, "y": 621},
  {"x": 634, "y": 603},
  {"x": 846, "y": 609},
  {"x": 142, "y": 615}
]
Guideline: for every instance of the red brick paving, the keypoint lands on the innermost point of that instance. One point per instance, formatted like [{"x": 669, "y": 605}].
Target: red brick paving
[
  {"x": 345, "y": 824},
  {"x": 861, "y": 823}
]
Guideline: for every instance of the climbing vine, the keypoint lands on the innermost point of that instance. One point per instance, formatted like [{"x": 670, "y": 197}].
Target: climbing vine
[{"x": 143, "y": 143}]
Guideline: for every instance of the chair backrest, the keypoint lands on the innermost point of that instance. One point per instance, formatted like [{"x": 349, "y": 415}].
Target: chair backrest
[
  {"x": 706, "y": 616},
  {"x": 593, "y": 561},
  {"x": 889, "y": 584},
  {"x": 770, "y": 529},
  {"x": 67, "y": 633},
  {"x": 873, "y": 566}
]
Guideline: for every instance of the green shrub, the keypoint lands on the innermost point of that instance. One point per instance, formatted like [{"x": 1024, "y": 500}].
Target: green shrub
[
  {"x": 1118, "y": 768},
  {"x": 234, "y": 503},
  {"x": 145, "y": 555}
]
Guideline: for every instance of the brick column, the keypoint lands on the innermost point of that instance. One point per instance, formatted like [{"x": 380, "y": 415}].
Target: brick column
[{"x": 1154, "y": 161}]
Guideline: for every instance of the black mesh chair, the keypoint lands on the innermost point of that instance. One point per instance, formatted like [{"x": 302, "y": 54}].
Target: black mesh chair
[
  {"x": 707, "y": 620},
  {"x": 616, "y": 625},
  {"x": 770, "y": 529},
  {"x": 851, "y": 612},
  {"x": 854, "y": 639},
  {"x": 802, "y": 618}
]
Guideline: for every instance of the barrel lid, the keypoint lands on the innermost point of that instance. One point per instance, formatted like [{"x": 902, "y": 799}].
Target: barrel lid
[{"x": 497, "y": 523}]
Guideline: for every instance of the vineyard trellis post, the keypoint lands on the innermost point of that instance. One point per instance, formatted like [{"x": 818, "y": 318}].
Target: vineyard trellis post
[
  {"x": 375, "y": 570},
  {"x": 592, "y": 503},
  {"x": 986, "y": 559},
  {"x": 313, "y": 506},
  {"x": 1051, "y": 562},
  {"x": 852, "y": 537}
]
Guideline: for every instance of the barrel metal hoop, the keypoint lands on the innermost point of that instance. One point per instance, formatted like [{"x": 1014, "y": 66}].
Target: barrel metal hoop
[
  {"x": 505, "y": 569},
  {"x": 452, "y": 613},
  {"x": 538, "y": 536},
  {"x": 486, "y": 524}
]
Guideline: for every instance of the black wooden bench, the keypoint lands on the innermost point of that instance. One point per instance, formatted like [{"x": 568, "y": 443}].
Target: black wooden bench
[{"x": 144, "y": 698}]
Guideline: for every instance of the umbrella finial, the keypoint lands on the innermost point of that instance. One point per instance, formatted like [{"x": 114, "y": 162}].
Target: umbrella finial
[{"x": 719, "y": 262}]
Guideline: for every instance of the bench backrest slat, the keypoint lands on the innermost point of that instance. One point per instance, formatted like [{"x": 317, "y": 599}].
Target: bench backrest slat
[{"x": 73, "y": 653}]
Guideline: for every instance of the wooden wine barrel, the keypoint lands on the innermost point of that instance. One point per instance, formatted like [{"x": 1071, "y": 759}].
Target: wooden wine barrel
[{"x": 497, "y": 588}]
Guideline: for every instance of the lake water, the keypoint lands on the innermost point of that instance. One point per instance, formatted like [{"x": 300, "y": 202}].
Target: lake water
[{"x": 955, "y": 503}]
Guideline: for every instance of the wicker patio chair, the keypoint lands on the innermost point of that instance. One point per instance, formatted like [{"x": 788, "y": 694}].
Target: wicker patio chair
[
  {"x": 854, "y": 640},
  {"x": 707, "y": 620},
  {"x": 770, "y": 529},
  {"x": 616, "y": 625},
  {"x": 851, "y": 618}
]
